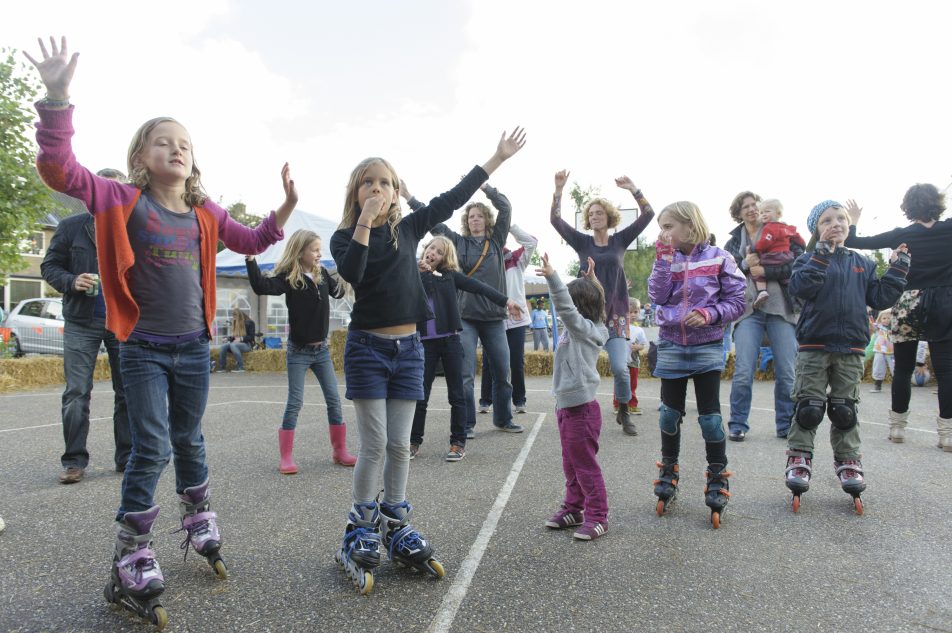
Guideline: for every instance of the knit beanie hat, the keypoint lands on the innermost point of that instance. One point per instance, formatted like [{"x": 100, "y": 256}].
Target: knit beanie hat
[{"x": 817, "y": 211}]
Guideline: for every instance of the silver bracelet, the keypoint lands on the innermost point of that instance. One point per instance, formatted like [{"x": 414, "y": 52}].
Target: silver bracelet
[{"x": 54, "y": 103}]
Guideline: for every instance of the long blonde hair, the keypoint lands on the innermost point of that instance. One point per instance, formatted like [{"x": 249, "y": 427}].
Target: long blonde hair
[
  {"x": 352, "y": 209},
  {"x": 290, "y": 262},
  {"x": 139, "y": 176},
  {"x": 238, "y": 320},
  {"x": 450, "y": 258}
]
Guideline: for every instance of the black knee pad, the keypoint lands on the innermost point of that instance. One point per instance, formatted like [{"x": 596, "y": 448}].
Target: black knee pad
[
  {"x": 842, "y": 413},
  {"x": 809, "y": 412}
]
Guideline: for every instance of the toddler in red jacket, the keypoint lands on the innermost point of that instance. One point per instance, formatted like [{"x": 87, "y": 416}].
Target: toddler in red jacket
[{"x": 773, "y": 247}]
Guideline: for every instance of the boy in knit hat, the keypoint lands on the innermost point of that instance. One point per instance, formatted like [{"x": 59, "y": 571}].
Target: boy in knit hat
[{"x": 835, "y": 285}]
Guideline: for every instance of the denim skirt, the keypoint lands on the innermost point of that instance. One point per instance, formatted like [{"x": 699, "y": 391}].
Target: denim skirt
[{"x": 681, "y": 361}]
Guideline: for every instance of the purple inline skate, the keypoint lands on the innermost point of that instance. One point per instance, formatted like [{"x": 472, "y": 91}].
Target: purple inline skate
[
  {"x": 136, "y": 580},
  {"x": 201, "y": 527}
]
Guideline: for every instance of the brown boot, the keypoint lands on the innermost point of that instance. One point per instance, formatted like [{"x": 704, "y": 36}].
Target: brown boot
[{"x": 72, "y": 475}]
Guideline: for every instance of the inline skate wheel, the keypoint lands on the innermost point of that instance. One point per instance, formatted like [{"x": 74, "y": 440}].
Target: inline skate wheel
[
  {"x": 660, "y": 509},
  {"x": 367, "y": 585},
  {"x": 160, "y": 617},
  {"x": 796, "y": 503},
  {"x": 220, "y": 570},
  {"x": 716, "y": 519},
  {"x": 436, "y": 568},
  {"x": 110, "y": 593},
  {"x": 858, "y": 504}
]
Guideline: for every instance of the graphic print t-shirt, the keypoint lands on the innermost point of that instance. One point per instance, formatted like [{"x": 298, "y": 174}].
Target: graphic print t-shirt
[{"x": 166, "y": 278}]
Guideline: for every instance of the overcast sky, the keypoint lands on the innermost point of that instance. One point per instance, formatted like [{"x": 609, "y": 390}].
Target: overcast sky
[{"x": 693, "y": 100}]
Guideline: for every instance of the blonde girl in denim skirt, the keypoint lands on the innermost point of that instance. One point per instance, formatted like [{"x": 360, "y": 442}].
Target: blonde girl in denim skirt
[{"x": 698, "y": 290}]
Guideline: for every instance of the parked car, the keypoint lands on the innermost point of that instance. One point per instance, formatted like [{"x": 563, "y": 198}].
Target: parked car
[{"x": 36, "y": 326}]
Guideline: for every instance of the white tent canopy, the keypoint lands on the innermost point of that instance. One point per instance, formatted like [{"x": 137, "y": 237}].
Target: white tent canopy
[{"x": 233, "y": 264}]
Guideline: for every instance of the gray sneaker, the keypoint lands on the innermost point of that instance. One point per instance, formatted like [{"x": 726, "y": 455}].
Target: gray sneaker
[{"x": 511, "y": 428}]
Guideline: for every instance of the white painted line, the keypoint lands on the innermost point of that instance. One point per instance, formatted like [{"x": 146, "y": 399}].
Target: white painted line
[{"x": 454, "y": 597}]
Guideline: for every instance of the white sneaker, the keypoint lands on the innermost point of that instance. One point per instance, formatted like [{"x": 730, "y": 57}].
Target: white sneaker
[
  {"x": 520, "y": 408},
  {"x": 483, "y": 408}
]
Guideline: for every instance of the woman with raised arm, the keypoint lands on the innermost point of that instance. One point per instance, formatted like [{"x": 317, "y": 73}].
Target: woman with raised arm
[
  {"x": 608, "y": 252},
  {"x": 924, "y": 310}
]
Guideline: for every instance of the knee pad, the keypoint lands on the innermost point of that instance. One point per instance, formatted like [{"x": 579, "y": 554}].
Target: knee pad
[
  {"x": 669, "y": 419},
  {"x": 712, "y": 427},
  {"x": 809, "y": 413},
  {"x": 842, "y": 413}
]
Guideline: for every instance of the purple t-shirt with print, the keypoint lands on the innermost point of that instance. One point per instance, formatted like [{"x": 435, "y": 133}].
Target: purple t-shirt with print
[{"x": 166, "y": 278}]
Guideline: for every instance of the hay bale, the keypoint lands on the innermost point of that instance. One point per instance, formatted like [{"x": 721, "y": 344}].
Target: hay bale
[{"x": 33, "y": 372}]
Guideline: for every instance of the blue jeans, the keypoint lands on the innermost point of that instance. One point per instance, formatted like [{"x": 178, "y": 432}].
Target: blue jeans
[
  {"x": 300, "y": 358},
  {"x": 382, "y": 368},
  {"x": 493, "y": 336},
  {"x": 81, "y": 343},
  {"x": 748, "y": 335},
  {"x": 516, "y": 337},
  {"x": 166, "y": 388},
  {"x": 236, "y": 348},
  {"x": 449, "y": 350},
  {"x": 619, "y": 351}
]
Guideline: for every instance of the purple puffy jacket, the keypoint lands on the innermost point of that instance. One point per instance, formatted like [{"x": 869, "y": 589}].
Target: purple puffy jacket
[{"x": 707, "y": 280}]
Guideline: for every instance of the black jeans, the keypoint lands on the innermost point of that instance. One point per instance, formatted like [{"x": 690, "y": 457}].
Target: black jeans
[
  {"x": 516, "y": 337},
  {"x": 449, "y": 350},
  {"x": 905, "y": 356},
  {"x": 707, "y": 392}
]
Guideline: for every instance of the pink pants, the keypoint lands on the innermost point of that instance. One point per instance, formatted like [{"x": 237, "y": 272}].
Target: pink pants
[{"x": 579, "y": 428}]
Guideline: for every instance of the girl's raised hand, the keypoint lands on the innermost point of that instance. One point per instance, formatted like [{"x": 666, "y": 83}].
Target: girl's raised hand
[
  {"x": 903, "y": 249},
  {"x": 561, "y": 177},
  {"x": 404, "y": 192},
  {"x": 56, "y": 68},
  {"x": 374, "y": 206},
  {"x": 590, "y": 271},
  {"x": 546, "y": 269},
  {"x": 424, "y": 267},
  {"x": 509, "y": 145},
  {"x": 854, "y": 211},
  {"x": 625, "y": 183},
  {"x": 290, "y": 190}
]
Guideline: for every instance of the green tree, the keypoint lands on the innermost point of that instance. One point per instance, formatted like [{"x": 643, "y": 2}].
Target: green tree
[
  {"x": 23, "y": 197},
  {"x": 882, "y": 264},
  {"x": 239, "y": 213},
  {"x": 638, "y": 265},
  {"x": 535, "y": 259}
]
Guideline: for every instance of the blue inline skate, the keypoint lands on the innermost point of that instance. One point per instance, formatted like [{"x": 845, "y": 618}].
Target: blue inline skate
[
  {"x": 359, "y": 553},
  {"x": 404, "y": 545}
]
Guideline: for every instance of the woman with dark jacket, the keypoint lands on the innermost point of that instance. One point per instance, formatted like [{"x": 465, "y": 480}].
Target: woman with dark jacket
[
  {"x": 924, "y": 310},
  {"x": 442, "y": 279},
  {"x": 776, "y": 318}
]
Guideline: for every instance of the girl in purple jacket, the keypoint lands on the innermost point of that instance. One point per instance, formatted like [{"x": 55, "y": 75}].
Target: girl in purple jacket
[{"x": 698, "y": 290}]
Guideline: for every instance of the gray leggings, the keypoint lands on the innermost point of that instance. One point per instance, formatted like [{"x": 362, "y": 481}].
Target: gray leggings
[{"x": 384, "y": 429}]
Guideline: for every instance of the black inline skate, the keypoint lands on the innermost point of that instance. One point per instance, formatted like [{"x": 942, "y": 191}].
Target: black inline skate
[
  {"x": 136, "y": 582},
  {"x": 798, "y": 473},
  {"x": 404, "y": 545},
  {"x": 717, "y": 492},
  {"x": 201, "y": 527},
  {"x": 359, "y": 554},
  {"x": 850, "y": 474},
  {"x": 666, "y": 485}
]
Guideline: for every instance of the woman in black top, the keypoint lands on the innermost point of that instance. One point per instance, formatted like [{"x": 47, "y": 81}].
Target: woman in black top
[
  {"x": 924, "y": 311},
  {"x": 307, "y": 289}
]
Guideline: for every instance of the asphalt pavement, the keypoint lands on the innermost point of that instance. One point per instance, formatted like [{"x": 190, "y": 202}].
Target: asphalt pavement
[{"x": 765, "y": 569}]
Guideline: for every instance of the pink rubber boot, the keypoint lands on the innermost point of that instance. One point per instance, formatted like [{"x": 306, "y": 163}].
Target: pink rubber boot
[
  {"x": 339, "y": 442},
  {"x": 286, "y": 446}
]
